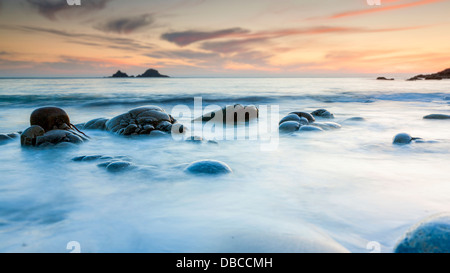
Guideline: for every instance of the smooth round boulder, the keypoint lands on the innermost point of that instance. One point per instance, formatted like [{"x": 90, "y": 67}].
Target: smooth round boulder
[
  {"x": 310, "y": 128},
  {"x": 291, "y": 117},
  {"x": 96, "y": 124},
  {"x": 429, "y": 236},
  {"x": 402, "y": 138},
  {"x": 308, "y": 116},
  {"x": 437, "y": 116},
  {"x": 289, "y": 127},
  {"x": 322, "y": 113},
  {"x": 50, "y": 118},
  {"x": 28, "y": 137},
  {"x": 208, "y": 167}
]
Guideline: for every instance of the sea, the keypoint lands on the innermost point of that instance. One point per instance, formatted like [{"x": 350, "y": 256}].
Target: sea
[{"x": 344, "y": 190}]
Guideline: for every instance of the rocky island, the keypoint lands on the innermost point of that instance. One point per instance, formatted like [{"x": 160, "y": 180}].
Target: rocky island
[
  {"x": 150, "y": 73},
  {"x": 445, "y": 74}
]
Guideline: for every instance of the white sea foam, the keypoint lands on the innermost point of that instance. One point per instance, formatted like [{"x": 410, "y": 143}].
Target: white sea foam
[{"x": 339, "y": 188}]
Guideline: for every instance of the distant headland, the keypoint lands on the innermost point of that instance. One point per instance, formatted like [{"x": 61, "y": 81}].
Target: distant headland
[
  {"x": 150, "y": 73},
  {"x": 445, "y": 74}
]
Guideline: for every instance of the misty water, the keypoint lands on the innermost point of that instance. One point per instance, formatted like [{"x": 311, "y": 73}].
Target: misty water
[{"x": 336, "y": 190}]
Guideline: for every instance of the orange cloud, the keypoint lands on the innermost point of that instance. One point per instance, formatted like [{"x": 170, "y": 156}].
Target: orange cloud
[{"x": 374, "y": 9}]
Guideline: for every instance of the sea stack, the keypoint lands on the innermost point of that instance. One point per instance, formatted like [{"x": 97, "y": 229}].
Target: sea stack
[{"x": 152, "y": 73}]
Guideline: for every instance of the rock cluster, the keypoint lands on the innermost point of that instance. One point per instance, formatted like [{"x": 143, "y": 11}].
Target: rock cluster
[
  {"x": 306, "y": 122},
  {"x": 147, "y": 120},
  {"x": 50, "y": 126}
]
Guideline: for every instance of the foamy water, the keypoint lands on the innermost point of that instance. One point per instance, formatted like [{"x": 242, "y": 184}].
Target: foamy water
[{"x": 338, "y": 189}]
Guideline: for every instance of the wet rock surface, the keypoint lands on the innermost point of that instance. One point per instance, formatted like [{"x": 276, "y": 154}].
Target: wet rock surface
[
  {"x": 208, "y": 167},
  {"x": 431, "y": 235}
]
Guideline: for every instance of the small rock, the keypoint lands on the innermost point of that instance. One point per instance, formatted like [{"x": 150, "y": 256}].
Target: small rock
[
  {"x": 437, "y": 116},
  {"x": 402, "y": 138},
  {"x": 119, "y": 166},
  {"x": 429, "y": 236},
  {"x": 13, "y": 135},
  {"x": 130, "y": 129},
  {"x": 158, "y": 133},
  {"x": 4, "y": 137},
  {"x": 322, "y": 113},
  {"x": 291, "y": 117},
  {"x": 310, "y": 128},
  {"x": 354, "y": 119},
  {"x": 98, "y": 124},
  {"x": 209, "y": 167},
  {"x": 289, "y": 127}
]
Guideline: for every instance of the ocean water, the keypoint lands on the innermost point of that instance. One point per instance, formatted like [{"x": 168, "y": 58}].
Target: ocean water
[{"x": 338, "y": 190}]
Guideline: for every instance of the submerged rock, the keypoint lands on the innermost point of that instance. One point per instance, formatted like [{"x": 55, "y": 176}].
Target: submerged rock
[
  {"x": 403, "y": 138},
  {"x": 327, "y": 125},
  {"x": 289, "y": 127},
  {"x": 322, "y": 113},
  {"x": 429, "y": 236},
  {"x": 4, "y": 137},
  {"x": 354, "y": 120},
  {"x": 310, "y": 128},
  {"x": 437, "y": 116},
  {"x": 209, "y": 167},
  {"x": 120, "y": 166}
]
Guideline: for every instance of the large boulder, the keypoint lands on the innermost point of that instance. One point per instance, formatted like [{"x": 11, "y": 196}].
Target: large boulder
[
  {"x": 429, "y": 236},
  {"x": 139, "y": 121}
]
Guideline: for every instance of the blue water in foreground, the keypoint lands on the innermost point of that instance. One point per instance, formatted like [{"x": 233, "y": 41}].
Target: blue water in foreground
[{"x": 313, "y": 192}]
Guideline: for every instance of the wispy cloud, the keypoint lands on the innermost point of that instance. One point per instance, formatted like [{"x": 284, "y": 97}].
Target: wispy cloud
[
  {"x": 89, "y": 39},
  {"x": 374, "y": 9},
  {"x": 50, "y": 8},
  {"x": 185, "y": 38},
  {"x": 244, "y": 37},
  {"x": 233, "y": 46},
  {"x": 126, "y": 25}
]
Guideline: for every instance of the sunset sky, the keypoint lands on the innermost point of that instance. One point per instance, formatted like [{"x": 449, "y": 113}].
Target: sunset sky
[{"x": 294, "y": 38}]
